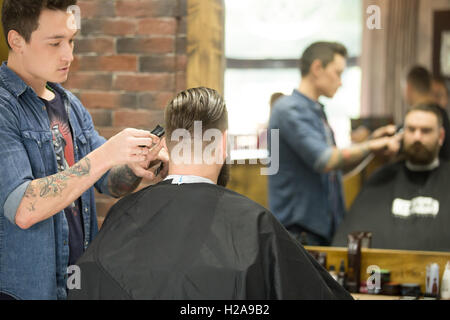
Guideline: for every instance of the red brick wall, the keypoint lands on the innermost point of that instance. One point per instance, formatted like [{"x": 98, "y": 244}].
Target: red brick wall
[{"x": 130, "y": 59}]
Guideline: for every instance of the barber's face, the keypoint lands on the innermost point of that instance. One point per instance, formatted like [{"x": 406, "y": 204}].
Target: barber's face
[
  {"x": 329, "y": 78},
  {"x": 422, "y": 138},
  {"x": 49, "y": 53}
]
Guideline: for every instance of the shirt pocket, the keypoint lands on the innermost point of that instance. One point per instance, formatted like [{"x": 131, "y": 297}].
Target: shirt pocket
[
  {"x": 82, "y": 145},
  {"x": 39, "y": 146}
]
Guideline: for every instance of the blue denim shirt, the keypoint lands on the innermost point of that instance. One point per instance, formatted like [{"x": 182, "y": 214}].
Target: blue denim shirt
[
  {"x": 300, "y": 193},
  {"x": 33, "y": 262}
]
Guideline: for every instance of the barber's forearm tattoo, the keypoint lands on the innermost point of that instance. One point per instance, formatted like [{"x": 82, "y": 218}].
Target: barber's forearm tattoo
[
  {"x": 53, "y": 186},
  {"x": 122, "y": 181},
  {"x": 351, "y": 155},
  {"x": 31, "y": 195}
]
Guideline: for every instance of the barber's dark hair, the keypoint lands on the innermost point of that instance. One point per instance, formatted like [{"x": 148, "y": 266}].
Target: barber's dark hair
[
  {"x": 420, "y": 79},
  {"x": 23, "y": 15},
  {"x": 428, "y": 107},
  {"x": 324, "y": 51},
  {"x": 196, "y": 104}
]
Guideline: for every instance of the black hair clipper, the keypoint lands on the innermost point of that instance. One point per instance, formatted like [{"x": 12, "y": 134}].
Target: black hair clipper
[{"x": 159, "y": 132}]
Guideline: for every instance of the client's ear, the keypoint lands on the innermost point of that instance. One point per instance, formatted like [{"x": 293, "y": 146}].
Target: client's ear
[{"x": 441, "y": 136}]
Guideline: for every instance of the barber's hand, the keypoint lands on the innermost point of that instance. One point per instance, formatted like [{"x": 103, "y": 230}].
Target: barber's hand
[
  {"x": 388, "y": 130},
  {"x": 130, "y": 146},
  {"x": 386, "y": 146},
  {"x": 393, "y": 146},
  {"x": 147, "y": 169}
]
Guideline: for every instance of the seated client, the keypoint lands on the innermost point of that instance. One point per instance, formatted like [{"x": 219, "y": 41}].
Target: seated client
[
  {"x": 406, "y": 204},
  {"x": 188, "y": 237}
]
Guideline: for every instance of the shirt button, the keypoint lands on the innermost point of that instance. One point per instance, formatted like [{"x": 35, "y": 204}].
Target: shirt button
[
  {"x": 86, "y": 243},
  {"x": 86, "y": 209},
  {"x": 65, "y": 242}
]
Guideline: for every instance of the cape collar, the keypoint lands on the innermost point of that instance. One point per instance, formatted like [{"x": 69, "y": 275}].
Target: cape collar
[
  {"x": 427, "y": 167},
  {"x": 181, "y": 179}
]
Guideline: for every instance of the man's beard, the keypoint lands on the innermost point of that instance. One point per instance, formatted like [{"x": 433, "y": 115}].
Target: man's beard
[
  {"x": 419, "y": 154},
  {"x": 224, "y": 175}
]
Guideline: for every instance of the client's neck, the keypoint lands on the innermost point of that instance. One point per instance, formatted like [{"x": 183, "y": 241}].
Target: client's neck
[{"x": 210, "y": 172}]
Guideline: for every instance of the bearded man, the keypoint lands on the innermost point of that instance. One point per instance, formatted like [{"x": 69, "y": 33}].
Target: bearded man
[{"x": 406, "y": 204}]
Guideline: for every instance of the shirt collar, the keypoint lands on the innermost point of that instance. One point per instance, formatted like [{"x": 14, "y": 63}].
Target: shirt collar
[
  {"x": 182, "y": 179},
  {"x": 12, "y": 81},
  {"x": 16, "y": 85},
  {"x": 316, "y": 105}
]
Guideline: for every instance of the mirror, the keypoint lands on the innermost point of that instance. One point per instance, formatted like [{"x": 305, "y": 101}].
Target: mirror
[{"x": 264, "y": 40}]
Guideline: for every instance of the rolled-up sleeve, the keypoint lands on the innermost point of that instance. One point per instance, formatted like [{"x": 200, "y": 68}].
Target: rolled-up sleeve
[
  {"x": 15, "y": 167},
  {"x": 299, "y": 129}
]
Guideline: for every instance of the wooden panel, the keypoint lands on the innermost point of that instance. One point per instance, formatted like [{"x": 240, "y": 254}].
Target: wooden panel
[
  {"x": 3, "y": 45},
  {"x": 205, "y": 44},
  {"x": 246, "y": 179},
  {"x": 405, "y": 266},
  {"x": 352, "y": 185}
]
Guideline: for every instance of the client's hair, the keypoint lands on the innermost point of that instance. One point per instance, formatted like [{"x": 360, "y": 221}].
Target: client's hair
[
  {"x": 196, "y": 104},
  {"x": 428, "y": 107}
]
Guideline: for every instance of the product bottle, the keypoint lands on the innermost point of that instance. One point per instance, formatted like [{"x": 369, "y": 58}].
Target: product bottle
[
  {"x": 434, "y": 280},
  {"x": 445, "y": 286},
  {"x": 333, "y": 272},
  {"x": 341, "y": 274}
]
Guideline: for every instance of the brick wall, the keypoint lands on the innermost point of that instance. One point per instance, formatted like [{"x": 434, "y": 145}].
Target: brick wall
[{"x": 130, "y": 59}]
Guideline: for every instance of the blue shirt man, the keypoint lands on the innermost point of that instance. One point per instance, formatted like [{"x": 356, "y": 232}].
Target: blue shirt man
[
  {"x": 304, "y": 198},
  {"x": 306, "y": 193}
]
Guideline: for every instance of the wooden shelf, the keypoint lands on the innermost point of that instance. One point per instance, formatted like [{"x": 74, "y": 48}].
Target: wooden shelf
[{"x": 406, "y": 266}]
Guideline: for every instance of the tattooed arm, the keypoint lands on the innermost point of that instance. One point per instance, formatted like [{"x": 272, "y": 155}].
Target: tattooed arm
[
  {"x": 122, "y": 181},
  {"x": 352, "y": 156},
  {"x": 47, "y": 196}
]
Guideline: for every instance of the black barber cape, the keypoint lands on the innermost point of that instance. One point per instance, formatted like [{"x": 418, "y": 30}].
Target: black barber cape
[
  {"x": 404, "y": 209},
  {"x": 198, "y": 241}
]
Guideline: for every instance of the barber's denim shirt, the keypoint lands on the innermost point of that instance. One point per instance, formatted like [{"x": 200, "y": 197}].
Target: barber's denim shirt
[
  {"x": 300, "y": 193},
  {"x": 33, "y": 262}
]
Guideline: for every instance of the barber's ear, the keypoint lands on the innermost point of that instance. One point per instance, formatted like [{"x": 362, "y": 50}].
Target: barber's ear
[
  {"x": 16, "y": 41},
  {"x": 316, "y": 67}
]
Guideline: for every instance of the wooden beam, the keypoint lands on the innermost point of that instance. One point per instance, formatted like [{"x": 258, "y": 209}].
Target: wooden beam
[
  {"x": 205, "y": 44},
  {"x": 3, "y": 45}
]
